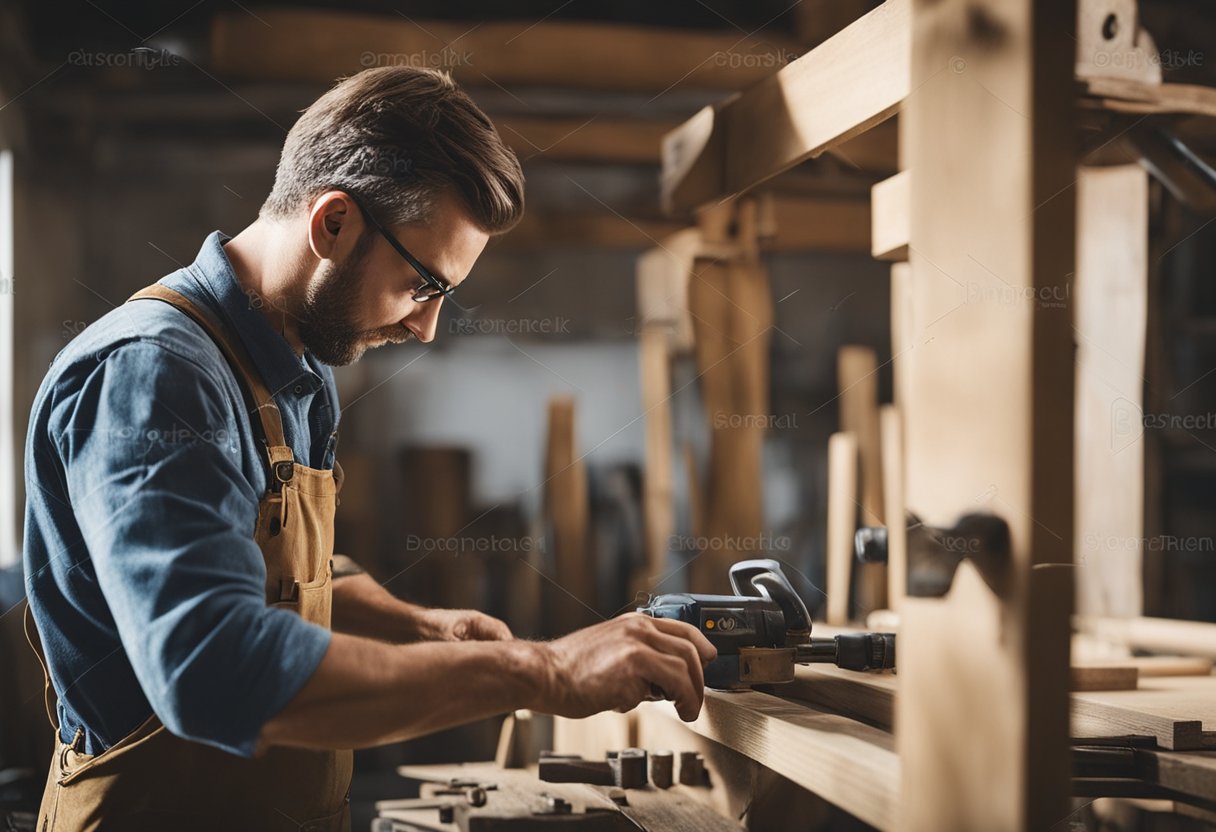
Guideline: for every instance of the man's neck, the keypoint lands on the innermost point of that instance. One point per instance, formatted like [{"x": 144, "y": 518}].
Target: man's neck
[{"x": 264, "y": 269}]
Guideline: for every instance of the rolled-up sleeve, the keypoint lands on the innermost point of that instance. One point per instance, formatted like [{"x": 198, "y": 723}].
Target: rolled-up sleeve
[{"x": 153, "y": 472}]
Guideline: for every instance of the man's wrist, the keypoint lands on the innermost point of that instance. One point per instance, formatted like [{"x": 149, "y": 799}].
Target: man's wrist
[{"x": 530, "y": 663}]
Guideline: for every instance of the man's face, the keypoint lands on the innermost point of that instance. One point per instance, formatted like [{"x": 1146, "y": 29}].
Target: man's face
[{"x": 362, "y": 297}]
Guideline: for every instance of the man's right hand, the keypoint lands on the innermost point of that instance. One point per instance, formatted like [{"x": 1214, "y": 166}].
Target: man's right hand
[{"x": 614, "y": 665}]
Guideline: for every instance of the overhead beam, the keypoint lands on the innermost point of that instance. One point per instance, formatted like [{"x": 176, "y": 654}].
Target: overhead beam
[
  {"x": 838, "y": 225},
  {"x": 847, "y": 84},
  {"x": 313, "y": 45},
  {"x": 584, "y": 139}
]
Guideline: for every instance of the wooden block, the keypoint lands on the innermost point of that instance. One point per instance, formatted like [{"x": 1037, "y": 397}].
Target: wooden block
[
  {"x": 515, "y": 740},
  {"x": 889, "y": 206},
  {"x": 841, "y": 524},
  {"x": 1111, "y": 302},
  {"x": 1104, "y": 677}
]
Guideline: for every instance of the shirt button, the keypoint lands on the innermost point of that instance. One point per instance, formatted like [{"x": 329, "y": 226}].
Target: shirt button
[{"x": 299, "y": 389}]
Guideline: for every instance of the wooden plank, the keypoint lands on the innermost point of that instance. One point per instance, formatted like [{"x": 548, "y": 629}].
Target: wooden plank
[
  {"x": 889, "y": 204},
  {"x": 891, "y": 426},
  {"x": 1104, "y": 677},
  {"x": 658, "y": 480},
  {"x": 902, "y": 334},
  {"x": 1164, "y": 635},
  {"x": 988, "y": 135},
  {"x": 795, "y": 114},
  {"x": 319, "y": 46},
  {"x": 1111, "y": 301},
  {"x": 571, "y": 595},
  {"x": 1151, "y": 666},
  {"x": 841, "y": 524},
  {"x": 1179, "y": 711},
  {"x": 847, "y": 763},
  {"x": 539, "y": 231},
  {"x": 857, "y": 381},
  {"x": 594, "y": 736}
]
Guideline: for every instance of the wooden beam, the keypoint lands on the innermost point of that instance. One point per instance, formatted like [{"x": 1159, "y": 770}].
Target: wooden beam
[
  {"x": 658, "y": 479},
  {"x": 848, "y": 763},
  {"x": 321, "y": 46},
  {"x": 1180, "y": 712},
  {"x": 989, "y": 138},
  {"x": 1111, "y": 301},
  {"x": 847, "y": 84},
  {"x": 584, "y": 139},
  {"x": 891, "y": 428},
  {"x": 889, "y": 204}
]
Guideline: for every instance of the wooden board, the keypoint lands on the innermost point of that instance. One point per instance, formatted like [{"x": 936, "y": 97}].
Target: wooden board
[
  {"x": 848, "y": 83},
  {"x": 841, "y": 524},
  {"x": 320, "y": 46},
  {"x": 1110, "y": 297},
  {"x": 889, "y": 203},
  {"x": 1104, "y": 677},
  {"x": 847, "y": 763},
  {"x": 982, "y": 714},
  {"x": 1179, "y": 711},
  {"x": 1162, "y": 635},
  {"x": 635, "y": 141}
]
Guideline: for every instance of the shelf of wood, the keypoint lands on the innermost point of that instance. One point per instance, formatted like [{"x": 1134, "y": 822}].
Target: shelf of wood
[{"x": 846, "y": 762}]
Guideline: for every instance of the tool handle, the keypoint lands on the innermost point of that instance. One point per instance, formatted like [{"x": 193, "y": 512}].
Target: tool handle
[
  {"x": 865, "y": 651},
  {"x": 763, "y": 578}
]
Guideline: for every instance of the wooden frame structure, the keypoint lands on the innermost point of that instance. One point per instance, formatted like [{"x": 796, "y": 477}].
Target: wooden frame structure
[{"x": 981, "y": 228}]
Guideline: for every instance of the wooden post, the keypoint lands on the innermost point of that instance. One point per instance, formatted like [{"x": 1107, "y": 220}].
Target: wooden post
[
  {"x": 842, "y": 523},
  {"x": 982, "y": 715},
  {"x": 731, "y": 309},
  {"x": 857, "y": 380},
  {"x": 1111, "y": 297},
  {"x": 571, "y": 595}
]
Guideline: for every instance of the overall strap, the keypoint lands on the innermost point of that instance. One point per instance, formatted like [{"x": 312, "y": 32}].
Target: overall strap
[
  {"x": 279, "y": 453},
  {"x": 48, "y": 693}
]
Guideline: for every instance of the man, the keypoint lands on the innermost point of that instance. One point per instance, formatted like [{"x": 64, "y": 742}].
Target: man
[{"x": 181, "y": 478}]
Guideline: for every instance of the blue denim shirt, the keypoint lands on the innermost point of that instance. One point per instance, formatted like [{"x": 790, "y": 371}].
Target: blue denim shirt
[{"x": 143, "y": 476}]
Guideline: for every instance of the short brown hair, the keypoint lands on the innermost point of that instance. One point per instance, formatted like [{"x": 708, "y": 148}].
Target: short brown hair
[{"x": 398, "y": 136}]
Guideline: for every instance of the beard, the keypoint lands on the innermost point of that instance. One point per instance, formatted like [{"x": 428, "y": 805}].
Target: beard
[{"x": 329, "y": 315}]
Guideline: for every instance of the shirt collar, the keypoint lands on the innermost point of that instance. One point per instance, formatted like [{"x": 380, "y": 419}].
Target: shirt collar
[{"x": 216, "y": 285}]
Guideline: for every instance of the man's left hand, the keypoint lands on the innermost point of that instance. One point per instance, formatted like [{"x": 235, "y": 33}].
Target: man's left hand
[{"x": 461, "y": 625}]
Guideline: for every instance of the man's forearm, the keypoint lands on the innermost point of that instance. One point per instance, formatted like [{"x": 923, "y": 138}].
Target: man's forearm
[
  {"x": 363, "y": 607},
  {"x": 367, "y": 693}
]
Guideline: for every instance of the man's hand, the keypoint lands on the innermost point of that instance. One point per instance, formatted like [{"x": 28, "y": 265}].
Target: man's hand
[
  {"x": 615, "y": 664},
  {"x": 460, "y": 625}
]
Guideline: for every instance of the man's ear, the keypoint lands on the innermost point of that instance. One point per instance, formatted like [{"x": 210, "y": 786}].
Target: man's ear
[{"x": 334, "y": 224}]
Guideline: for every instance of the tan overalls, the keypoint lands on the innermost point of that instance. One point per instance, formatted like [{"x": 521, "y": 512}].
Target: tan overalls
[{"x": 153, "y": 780}]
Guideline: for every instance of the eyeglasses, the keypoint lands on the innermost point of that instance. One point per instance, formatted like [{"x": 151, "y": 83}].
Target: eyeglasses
[{"x": 432, "y": 287}]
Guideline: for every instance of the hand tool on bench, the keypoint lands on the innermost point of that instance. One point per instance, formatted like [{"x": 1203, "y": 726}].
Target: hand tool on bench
[{"x": 764, "y": 629}]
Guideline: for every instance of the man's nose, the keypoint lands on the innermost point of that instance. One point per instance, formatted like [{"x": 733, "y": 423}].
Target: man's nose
[{"x": 424, "y": 320}]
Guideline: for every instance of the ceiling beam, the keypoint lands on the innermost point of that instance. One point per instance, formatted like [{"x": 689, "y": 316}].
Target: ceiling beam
[{"x": 314, "y": 45}]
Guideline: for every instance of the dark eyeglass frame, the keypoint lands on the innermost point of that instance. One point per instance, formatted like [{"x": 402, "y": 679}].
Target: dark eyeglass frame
[{"x": 433, "y": 286}]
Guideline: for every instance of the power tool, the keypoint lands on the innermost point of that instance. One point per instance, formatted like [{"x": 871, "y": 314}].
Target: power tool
[{"x": 763, "y": 630}]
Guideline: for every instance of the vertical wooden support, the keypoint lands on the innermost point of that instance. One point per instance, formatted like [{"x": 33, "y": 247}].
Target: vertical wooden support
[
  {"x": 658, "y": 506},
  {"x": 857, "y": 379},
  {"x": 982, "y": 715},
  {"x": 893, "y": 504},
  {"x": 842, "y": 523},
  {"x": 1111, "y": 298},
  {"x": 731, "y": 308},
  {"x": 572, "y": 599}
]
